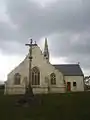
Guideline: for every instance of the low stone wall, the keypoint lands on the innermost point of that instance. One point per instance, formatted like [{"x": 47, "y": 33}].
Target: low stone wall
[
  {"x": 40, "y": 90},
  {"x": 14, "y": 90},
  {"x": 46, "y": 90},
  {"x": 57, "y": 90},
  {"x": 36, "y": 90}
]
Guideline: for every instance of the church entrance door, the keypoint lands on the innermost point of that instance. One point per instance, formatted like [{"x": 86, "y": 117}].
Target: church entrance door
[{"x": 68, "y": 86}]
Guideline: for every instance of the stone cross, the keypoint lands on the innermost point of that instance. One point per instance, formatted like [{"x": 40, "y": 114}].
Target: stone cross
[{"x": 30, "y": 64}]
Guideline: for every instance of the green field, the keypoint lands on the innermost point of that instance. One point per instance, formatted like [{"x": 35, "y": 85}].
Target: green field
[{"x": 70, "y": 106}]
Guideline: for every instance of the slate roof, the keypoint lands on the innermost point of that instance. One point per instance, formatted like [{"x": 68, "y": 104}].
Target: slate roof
[{"x": 70, "y": 69}]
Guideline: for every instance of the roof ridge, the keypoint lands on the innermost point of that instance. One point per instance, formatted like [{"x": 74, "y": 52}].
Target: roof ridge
[{"x": 65, "y": 64}]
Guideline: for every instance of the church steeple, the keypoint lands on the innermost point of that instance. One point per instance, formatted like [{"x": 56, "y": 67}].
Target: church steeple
[{"x": 46, "y": 51}]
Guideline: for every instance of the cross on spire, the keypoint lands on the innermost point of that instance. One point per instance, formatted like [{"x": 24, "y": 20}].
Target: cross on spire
[
  {"x": 30, "y": 49},
  {"x": 30, "y": 44}
]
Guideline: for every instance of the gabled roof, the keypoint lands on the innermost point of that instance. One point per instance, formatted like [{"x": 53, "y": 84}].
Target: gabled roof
[{"x": 70, "y": 69}]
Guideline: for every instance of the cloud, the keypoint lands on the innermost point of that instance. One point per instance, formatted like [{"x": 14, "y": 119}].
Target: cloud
[
  {"x": 35, "y": 21},
  {"x": 75, "y": 47},
  {"x": 7, "y": 63},
  {"x": 66, "y": 23}
]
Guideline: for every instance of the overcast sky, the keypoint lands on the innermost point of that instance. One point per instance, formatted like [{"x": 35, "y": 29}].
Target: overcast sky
[{"x": 66, "y": 24}]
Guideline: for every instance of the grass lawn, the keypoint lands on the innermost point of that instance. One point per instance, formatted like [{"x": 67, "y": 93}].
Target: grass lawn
[{"x": 70, "y": 106}]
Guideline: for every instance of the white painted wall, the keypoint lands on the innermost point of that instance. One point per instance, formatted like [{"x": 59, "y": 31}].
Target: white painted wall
[
  {"x": 45, "y": 70},
  {"x": 78, "y": 80}
]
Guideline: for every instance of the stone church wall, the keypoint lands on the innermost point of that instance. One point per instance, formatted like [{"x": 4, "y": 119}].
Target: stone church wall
[
  {"x": 79, "y": 82},
  {"x": 45, "y": 70}
]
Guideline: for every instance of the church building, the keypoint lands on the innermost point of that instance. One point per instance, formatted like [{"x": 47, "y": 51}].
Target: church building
[{"x": 46, "y": 78}]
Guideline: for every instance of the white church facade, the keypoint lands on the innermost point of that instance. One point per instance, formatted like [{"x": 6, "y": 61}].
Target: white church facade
[{"x": 46, "y": 78}]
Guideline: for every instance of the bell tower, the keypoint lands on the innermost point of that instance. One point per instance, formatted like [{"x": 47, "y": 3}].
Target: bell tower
[{"x": 46, "y": 51}]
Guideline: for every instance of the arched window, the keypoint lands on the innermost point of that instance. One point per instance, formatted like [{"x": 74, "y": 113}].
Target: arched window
[
  {"x": 53, "y": 79},
  {"x": 17, "y": 78},
  {"x": 35, "y": 76}
]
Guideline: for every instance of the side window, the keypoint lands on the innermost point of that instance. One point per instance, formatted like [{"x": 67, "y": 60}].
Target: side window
[
  {"x": 53, "y": 79},
  {"x": 74, "y": 84},
  {"x": 17, "y": 79}
]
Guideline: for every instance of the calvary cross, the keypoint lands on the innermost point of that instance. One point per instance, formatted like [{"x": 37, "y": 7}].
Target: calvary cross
[{"x": 30, "y": 64}]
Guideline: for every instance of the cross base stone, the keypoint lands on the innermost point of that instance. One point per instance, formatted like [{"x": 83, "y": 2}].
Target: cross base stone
[{"x": 29, "y": 99}]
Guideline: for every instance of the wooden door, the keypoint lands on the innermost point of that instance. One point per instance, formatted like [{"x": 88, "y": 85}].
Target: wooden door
[{"x": 68, "y": 86}]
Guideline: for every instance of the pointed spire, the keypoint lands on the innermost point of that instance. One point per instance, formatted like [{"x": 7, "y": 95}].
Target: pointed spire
[
  {"x": 46, "y": 51},
  {"x": 46, "y": 45}
]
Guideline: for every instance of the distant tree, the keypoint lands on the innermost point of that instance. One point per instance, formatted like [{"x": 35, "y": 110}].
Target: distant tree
[
  {"x": 87, "y": 79},
  {"x": 87, "y": 82}
]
